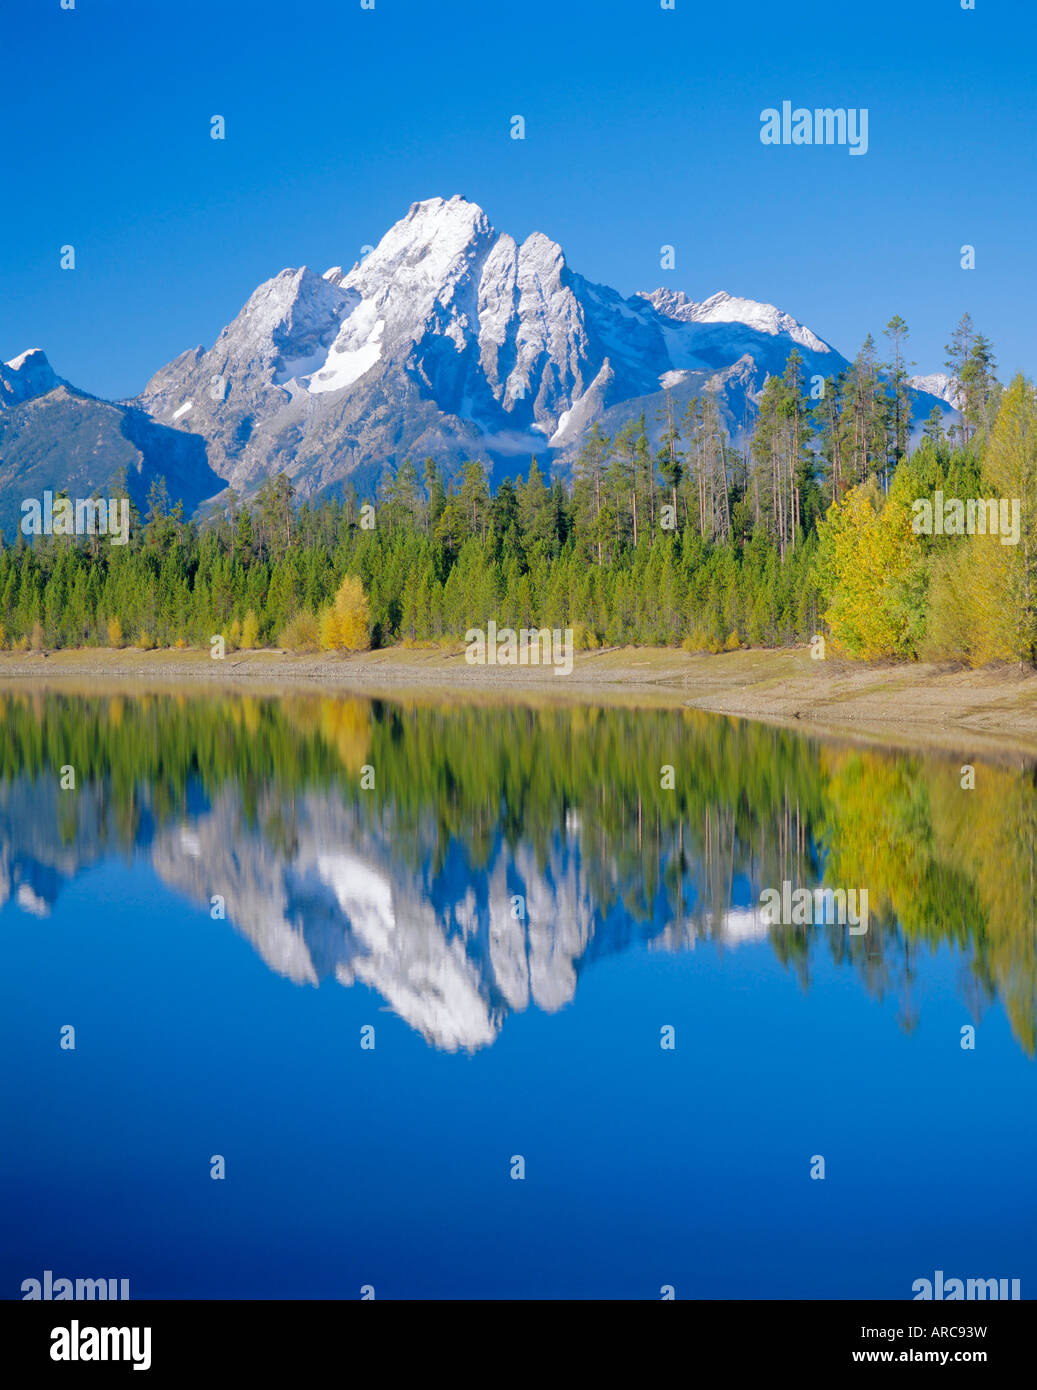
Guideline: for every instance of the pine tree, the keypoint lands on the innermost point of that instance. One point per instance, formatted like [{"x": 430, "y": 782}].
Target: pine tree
[
  {"x": 588, "y": 493},
  {"x": 668, "y": 460},
  {"x": 536, "y": 517},
  {"x": 897, "y": 332},
  {"x": 979, "y": 386},
  {"x": 474, "y": 498},
  {"x": 435, "y": 494},
  {"x": 958, "y": 350}
]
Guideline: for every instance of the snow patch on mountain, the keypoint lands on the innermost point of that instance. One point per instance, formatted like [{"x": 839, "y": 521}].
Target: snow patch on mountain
[
  {"x": 364, "y": 895},
  {"x": 586, "y": 408},
  {"x": 939, "y": 384},
  {"x": 346, "y": 363},
  {"x": 17, "y": 363}
]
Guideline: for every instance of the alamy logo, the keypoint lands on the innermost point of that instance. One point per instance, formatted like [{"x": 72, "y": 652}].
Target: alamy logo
[
  {"x": 527, "y": 647},
  {"x": 976, "y": 516},
  {"x": 803, "y": 907},
  {"x": 87, "y": 516},
  {"x": 936, "y": 1288},
  {"x": 77, "y": 1343},
  {"x": 824, "y": 125},
  {"x": 50, "y": 1288}
]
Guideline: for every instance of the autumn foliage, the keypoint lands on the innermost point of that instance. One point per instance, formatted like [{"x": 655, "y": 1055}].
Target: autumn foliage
[{"x": 345, "y": 623}]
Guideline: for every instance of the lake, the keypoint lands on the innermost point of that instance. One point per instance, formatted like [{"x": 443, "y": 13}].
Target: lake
[{"x": 476, "y": 1000}]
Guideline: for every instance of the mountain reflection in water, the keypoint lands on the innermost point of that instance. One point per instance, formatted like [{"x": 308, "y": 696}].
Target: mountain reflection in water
[{"x": 467, "y": 862}]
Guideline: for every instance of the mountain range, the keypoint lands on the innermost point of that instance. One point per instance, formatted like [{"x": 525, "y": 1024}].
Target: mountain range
[
  {"x": 53, "y": 436},
  {"x": 448, "y": 340}
]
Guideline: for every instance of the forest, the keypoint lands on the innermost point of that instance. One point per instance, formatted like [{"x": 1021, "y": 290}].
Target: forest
[{"x": 805, "y": 528}]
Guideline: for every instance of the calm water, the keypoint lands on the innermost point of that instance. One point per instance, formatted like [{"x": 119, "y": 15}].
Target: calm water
[{"x": 518, "y": 909}]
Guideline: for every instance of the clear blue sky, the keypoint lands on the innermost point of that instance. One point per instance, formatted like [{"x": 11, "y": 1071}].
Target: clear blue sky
[{"x": 642, "y": 129}]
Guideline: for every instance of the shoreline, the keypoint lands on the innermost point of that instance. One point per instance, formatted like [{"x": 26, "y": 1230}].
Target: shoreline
[{"x": 993, "y": 710}]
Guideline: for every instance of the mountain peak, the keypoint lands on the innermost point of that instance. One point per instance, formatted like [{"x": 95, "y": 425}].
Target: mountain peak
[
  {"x": 26, "y": 376},
  {"x": 34, "y": 355},
  {"x": 430, "y": 247},
  {"x": 456, "y": 206},
  {"x": 540, "y": 251},
  {"x": 289, "y": 316},
  {"x": 455, "y": 341},
  {"x": 454, "y": 220}
]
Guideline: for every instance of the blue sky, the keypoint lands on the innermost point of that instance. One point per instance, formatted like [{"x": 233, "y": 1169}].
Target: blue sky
[{"x": 642, "y": 130}]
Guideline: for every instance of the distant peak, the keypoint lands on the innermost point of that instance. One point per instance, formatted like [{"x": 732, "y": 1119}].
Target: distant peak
[
  {"x": 661, "y": 296},
  {"x": 26, "y": 376},
  {"x": 34, "y": 357},
  {"x": 945, "y": 388},
  {"x": 433, "y": 218},
  {"x": 723, "y": 308}
]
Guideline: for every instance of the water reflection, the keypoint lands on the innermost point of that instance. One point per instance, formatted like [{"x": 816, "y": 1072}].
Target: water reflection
[{"x": 468, "y": 862}]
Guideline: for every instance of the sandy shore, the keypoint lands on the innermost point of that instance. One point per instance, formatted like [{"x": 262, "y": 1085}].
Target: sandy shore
[{"x": 989, "y": 710}]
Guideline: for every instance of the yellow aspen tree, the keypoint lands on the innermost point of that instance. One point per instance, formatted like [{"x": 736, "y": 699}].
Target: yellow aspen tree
[
  {"x": 347, "y": 623},
  {"x": 249, "y": 631},
  {"x": 1010, "y": 471}
]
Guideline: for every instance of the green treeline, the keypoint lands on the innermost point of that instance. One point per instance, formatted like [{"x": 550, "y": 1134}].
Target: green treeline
[
  {"x": 434, "y": 563},
  {"x": 690, "y": 542}
]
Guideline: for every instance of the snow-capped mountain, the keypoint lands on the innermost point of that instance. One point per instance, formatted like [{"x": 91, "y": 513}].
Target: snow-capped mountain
[
  {"x": 452, "y": 340},
  {"x": 448, "y": 340}
]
